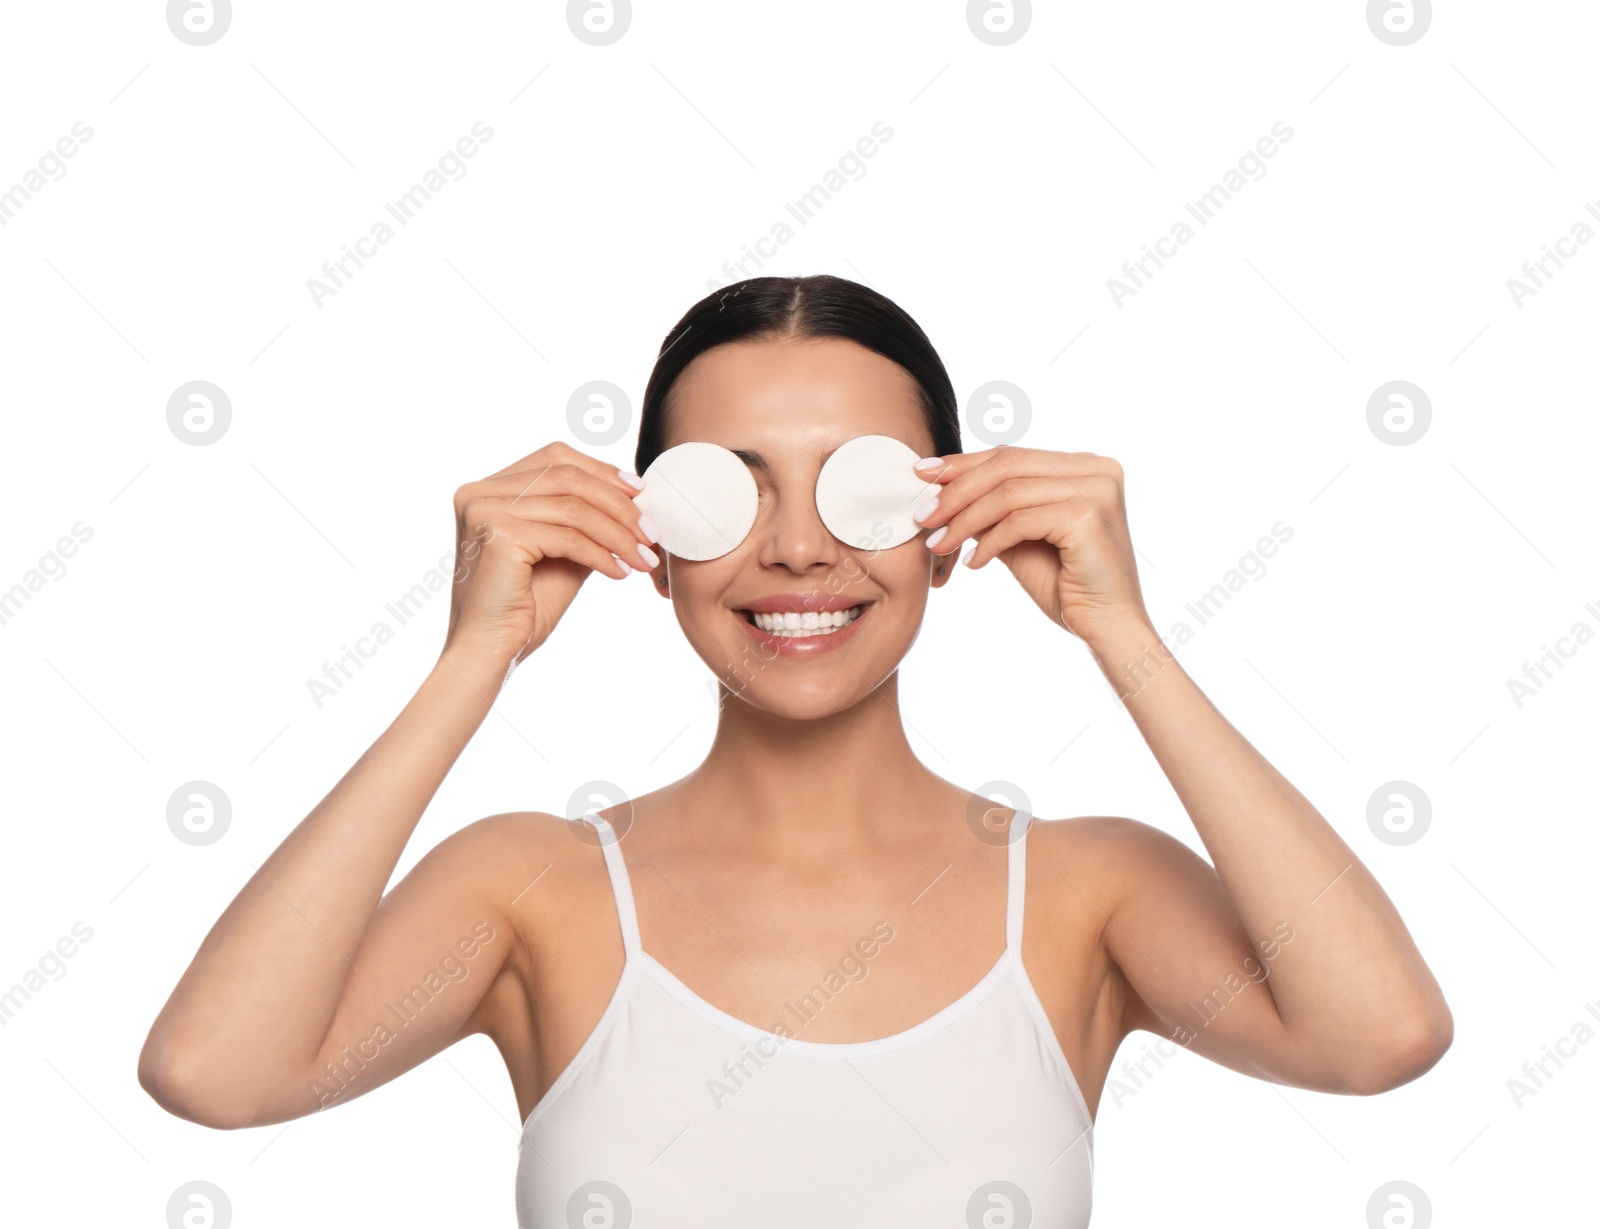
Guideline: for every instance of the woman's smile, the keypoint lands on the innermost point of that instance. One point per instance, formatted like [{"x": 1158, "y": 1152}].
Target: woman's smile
[{"x": 802, "y": 625}]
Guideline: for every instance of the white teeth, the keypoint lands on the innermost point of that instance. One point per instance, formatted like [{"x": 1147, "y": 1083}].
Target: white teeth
[{"x": 795, "y": 625}]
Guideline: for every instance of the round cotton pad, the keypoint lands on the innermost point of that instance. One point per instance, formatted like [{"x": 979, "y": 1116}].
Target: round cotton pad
[
  {"x": 867, "y": 491},
  {"x": 702, "y": 499}
]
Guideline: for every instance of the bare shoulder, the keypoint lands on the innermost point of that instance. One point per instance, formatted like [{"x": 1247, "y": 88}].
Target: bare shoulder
[
  {"x": 1115, "y": 850},
  {"x": 1100, "y": 869},
  {"x": 1147, "y": 868},
  {"x": 1151, "y": 892},
  {"x": 1110, "y": 850},
  {"x": 526, "y": 864},
  {"x": 518, "y": 835}
]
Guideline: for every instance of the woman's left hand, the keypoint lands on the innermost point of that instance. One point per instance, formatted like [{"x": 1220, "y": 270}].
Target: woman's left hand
[{"x": 1056, "y": 519}]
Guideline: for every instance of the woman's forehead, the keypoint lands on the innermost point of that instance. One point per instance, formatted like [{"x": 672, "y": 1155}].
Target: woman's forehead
[{"x": 797, "y": 399}]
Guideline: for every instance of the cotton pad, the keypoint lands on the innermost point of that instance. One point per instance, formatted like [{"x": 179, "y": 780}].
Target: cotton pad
[
  {"x": 867, "y": 491},
  {"x": 702, "y": 499}
]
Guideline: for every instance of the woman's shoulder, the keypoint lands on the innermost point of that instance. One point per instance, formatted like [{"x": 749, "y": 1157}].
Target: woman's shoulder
[
  {"x": 533, "y": 865},
  {"x": 1108, "y": 862},
  {"x": 1097, "y": 835},
  {"x": 1111, "y": 852},
  {"x": 518, "y": 839},
  {"x": 514, "y": 837}
]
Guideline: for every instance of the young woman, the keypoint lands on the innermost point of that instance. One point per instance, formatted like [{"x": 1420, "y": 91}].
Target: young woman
[{"x": 795, "y": 986}]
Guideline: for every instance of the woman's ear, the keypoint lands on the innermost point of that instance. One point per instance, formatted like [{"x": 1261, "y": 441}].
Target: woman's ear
[
  {"x": 658, "y": 578},
  {"x": 941, "y": 568}
]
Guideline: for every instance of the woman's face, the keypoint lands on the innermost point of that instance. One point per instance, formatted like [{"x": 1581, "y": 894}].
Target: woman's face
[{"x": 785, "y": 405}]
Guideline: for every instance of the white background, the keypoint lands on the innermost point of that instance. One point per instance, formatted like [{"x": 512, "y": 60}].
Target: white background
[{"x": 1233, "y": 387}]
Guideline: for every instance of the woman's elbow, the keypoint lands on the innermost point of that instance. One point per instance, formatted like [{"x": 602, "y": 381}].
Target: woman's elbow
[
  {"x": 1415, "y": 1051},
  {"x": 190, "y": 1096}
]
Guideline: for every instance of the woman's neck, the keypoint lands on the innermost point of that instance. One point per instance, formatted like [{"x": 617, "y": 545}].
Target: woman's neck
[{"x": 798, "y": 788}]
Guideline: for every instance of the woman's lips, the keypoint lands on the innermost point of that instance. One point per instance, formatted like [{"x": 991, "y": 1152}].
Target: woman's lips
[{"x": 773, "y": 644}]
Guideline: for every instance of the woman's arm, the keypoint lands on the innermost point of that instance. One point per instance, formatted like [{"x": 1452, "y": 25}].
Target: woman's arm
[
  {"x": 313, "y": 986},
  {"x": 306, "y": 965},
  {"x": 1288, "y": 960}
]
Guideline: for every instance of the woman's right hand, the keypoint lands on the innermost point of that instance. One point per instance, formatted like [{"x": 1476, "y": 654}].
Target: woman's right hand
[{"x": 527, "y": 538}]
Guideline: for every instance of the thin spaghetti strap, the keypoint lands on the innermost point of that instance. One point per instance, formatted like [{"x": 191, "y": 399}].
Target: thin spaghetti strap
[
  {"x": 1016, "y": 877},
  {"x": 621, "y": 889}
]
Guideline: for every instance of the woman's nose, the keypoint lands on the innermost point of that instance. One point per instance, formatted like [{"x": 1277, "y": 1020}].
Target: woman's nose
[{"x": 790, "y": 532}]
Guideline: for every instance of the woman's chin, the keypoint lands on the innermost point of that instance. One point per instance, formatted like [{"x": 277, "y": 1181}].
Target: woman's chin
[{"x": 793, "y": 700}]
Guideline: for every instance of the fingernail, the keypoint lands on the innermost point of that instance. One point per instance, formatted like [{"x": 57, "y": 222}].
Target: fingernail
[
  {"x": 648, "y": 528},
  {"x": 631, "y": 478},
  {"x": 926, "y": 510},
  {"x": 927, "y": 463},
  {"x": 624, "y": 564},
  {"x": 937, "y": 535},
  {"x": 649, "y": 556},
  {"x": 966, "y": 556}
]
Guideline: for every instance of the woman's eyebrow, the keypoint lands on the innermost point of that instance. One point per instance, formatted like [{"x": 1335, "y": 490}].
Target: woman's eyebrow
[{"x": 756, "y": 461}]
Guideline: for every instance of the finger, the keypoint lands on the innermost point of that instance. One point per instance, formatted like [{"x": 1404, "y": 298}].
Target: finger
[
  {"x": 953, "y": 464},
  {"x": 1009, "y": 495},
  {"x": 559, "y": 452},
  {"x": 972, "y": 474},
  {"x": 947, "y": 466},
  {"x": 576, "y": 512},
  {"x": 565, "y": 479},
  {"x": 491, "y": 522},
  {"x": 1023, "y": 525}
]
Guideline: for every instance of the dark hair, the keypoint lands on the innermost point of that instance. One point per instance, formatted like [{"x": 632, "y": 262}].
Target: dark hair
[{"x": 799, "y": 307}]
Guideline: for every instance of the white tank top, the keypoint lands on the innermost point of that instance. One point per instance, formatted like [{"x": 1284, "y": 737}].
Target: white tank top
[{"x": 675, "y": 1113}]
